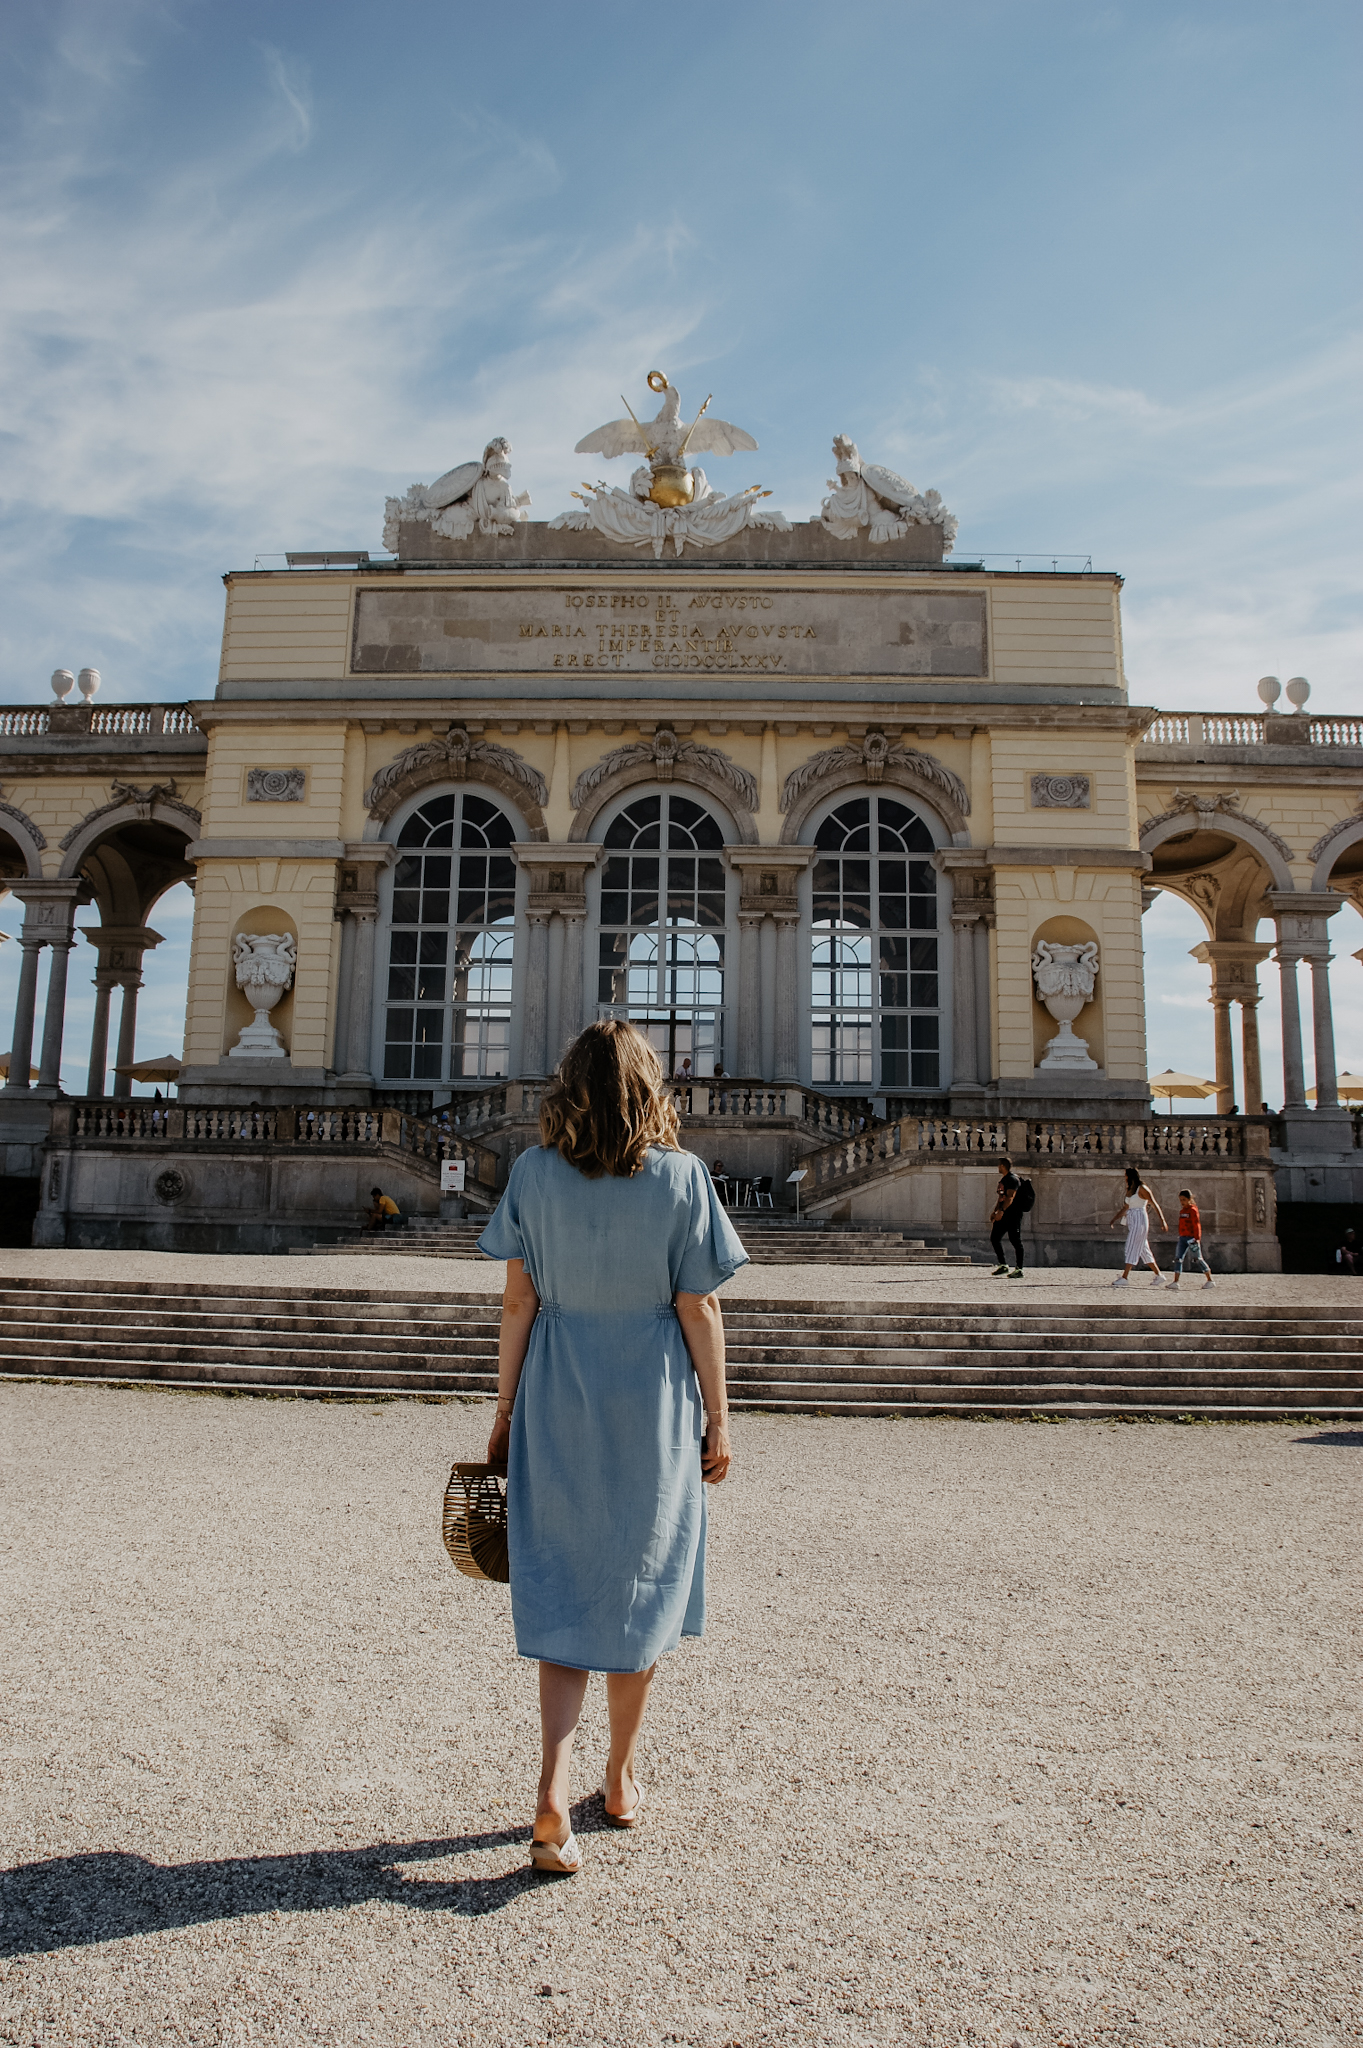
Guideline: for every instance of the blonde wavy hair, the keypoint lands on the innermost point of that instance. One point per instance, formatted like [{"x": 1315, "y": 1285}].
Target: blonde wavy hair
[{"x": 608, "y": 1103}]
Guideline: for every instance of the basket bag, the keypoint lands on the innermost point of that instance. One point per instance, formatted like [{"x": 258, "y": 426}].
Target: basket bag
[{"x": 474, "y": 1522}]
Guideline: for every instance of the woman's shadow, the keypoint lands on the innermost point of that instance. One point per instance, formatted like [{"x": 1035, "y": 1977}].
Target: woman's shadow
[{"x": 71, "y": 1901}]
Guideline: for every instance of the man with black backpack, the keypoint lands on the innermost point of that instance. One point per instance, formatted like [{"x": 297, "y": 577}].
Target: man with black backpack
[{"x": 1014, "y": 1199}]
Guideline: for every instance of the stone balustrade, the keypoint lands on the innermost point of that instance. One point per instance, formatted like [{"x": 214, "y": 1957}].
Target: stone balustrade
[
  {"x": 1199, "y": 729},
  {"x": 100, "y": 1122}
]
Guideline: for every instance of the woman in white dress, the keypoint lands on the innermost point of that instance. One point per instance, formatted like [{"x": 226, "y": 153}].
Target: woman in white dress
[{"x": 1135, "y": 1209}]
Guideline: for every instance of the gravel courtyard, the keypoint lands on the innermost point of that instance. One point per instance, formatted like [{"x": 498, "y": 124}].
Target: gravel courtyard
[{"x": 1001, "y": 1732}]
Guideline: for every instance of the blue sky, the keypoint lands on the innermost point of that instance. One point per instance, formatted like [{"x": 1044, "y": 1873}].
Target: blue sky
[{"x": 1091, "y": 271}]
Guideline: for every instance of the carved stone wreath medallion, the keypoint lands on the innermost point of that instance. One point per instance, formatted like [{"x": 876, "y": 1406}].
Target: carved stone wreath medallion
[
  {"x": 276, "y": 785},
  {"x": 1061, "y": 792}
]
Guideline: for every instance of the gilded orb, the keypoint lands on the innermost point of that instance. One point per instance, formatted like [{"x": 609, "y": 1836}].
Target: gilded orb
[{"x": 672, "y": 484}]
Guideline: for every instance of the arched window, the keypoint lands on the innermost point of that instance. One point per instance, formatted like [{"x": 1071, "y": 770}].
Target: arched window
[
  {"x": 450, "y": 947},
  {"x": 661, "y": 959},
  {"x": 875, "y": 1007}
]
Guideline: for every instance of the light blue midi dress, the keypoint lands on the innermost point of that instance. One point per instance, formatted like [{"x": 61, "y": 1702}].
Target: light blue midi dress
[{"x": 605, "y": 1506}]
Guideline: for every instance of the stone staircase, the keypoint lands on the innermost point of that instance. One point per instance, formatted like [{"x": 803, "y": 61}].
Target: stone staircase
[
  {"x": 768, "y": 1240},
  {"x": 1160, "y": 1358}
]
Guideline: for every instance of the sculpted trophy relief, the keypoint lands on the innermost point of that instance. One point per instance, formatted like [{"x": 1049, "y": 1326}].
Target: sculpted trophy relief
[{"x": 667, "y": 500}]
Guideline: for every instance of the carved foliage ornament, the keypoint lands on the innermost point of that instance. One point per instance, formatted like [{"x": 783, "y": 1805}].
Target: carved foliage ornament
[
  {"x": 1224, "y": 803},
  {"x": 157, "y": 796},
  {"x": 667, "y": 753},
  {"x": 22, "y": 818},
  {"x": 1335, "y": 831},
  {"x": 275, "y": 785},
  {"x": 454, "y": 752},
  {"x": 1061, "y": 792},
  {"x": 872, "y": 757}
]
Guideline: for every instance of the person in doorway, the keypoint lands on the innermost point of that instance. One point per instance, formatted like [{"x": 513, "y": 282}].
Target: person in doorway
[
  {"x": 1135, "y": 1208},
  {"x": 683, "y": 1071},
  {"x": 1349, "y": 1257},
  {"x": 1190, "y": 1239},
  {"x": 612, "y": 1414},
  {"x": 381, "y": 1208},
  {"x": 1007, "y": 1222}
]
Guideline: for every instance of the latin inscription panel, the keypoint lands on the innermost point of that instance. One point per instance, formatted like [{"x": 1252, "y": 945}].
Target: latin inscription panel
[{"x": 682, "y": 629}]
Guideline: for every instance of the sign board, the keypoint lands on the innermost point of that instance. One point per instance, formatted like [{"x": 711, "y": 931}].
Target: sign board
[
  {"x": 802, "y": 1174},
  {"x": 452, "y": 1176}
]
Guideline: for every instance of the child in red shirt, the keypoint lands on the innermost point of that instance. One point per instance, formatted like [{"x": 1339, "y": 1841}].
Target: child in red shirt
[{"x": 1189, "y": 1238}]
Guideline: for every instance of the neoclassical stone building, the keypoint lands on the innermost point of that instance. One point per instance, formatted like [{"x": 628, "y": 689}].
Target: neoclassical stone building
[{"x": 809, "y": 808}]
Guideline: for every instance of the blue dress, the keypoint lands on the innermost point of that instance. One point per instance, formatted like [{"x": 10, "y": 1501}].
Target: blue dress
[{"x": 605, "y": 1506}]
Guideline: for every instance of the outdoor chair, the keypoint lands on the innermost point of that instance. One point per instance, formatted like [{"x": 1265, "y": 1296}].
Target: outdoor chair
[{"x": 761, "y": 1190}]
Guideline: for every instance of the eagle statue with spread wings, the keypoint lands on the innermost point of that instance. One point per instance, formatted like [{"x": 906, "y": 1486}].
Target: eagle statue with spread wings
[{"x": 666, "y": 441}]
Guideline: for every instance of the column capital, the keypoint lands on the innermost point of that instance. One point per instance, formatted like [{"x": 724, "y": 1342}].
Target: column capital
[
  {"x": 50, "y": 907},
  {"x": 557, "y": 875}
]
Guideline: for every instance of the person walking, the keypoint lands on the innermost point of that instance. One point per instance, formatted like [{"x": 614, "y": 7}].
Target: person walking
[
  {"x": 612, "y": 1412},
  {"x": 1190, "y": 1239},
  {"x": 1136, "y": 1205},
  {"x": 1007, "y": 1221}
]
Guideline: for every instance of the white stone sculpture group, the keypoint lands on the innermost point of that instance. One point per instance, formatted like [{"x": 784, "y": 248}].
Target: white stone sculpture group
[
  {"x": 667, "y": 499},
  {"x": 1065, "y": 979},
  {"x": 476, "y": 495},
  {"x": 264, "y": 964}
]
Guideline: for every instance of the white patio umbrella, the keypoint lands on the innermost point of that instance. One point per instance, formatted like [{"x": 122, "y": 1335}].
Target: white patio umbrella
[
  {"x": 166, "y": 1068},
  {"x": 1192, "y": 1086},
  {"x": 1349, "y": 1086}
]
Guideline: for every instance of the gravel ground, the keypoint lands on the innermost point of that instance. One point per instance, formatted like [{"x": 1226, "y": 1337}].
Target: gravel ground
[
  {"x": 1001, "y": 1733},
  {"x": 790, "y": 1283}
]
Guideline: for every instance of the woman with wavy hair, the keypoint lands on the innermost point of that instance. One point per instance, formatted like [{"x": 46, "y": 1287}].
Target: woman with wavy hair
[{"x": 611, "y": 1410}]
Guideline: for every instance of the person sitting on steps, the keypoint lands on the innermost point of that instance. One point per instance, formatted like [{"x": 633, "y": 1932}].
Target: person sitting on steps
[
  {"x": 382, "y": 1207},
  {"x": 1007, "y": 1220}
]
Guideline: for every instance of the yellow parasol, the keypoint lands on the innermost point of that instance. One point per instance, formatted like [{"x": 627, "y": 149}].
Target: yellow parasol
[
  {"x": 1169, "y": 1084},
  {"x": 4, "y": 1068},
  {"x": 1349, "y": 1087},
  {"x": 166, "y": 1068}
]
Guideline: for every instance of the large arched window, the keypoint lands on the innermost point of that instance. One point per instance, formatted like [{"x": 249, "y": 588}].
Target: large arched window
[
  {"x": 876, "y": 1016},
  {"x": 661, "y": 959},
  {"x": 448, "y": 1015}
]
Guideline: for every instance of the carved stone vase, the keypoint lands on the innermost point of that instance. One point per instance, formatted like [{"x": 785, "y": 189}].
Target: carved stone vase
[
  {"x": 264, "y": 963},
  {"x": 1065, "y": 978}
]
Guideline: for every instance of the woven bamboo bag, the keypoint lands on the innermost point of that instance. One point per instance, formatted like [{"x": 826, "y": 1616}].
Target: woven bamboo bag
[{"x": 473, "y": 1523}]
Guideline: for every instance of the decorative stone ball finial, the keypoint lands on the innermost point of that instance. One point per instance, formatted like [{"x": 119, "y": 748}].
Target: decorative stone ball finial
[
  {"x": 1270, "y": 689},
  {"x": 1298, "y": 690},
  {"x": 63, "y": 683},
  {"x": 87, "y": 682}
]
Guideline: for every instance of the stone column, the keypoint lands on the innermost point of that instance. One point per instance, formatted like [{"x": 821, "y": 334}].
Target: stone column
[
  {"x": 1323, "y": 1031},
  {"x": 964, "y": 1034},
  {"x": 119, "y": 950},
  {"x": 54, "y": 1017},
  {"x": 97, "y": 1078},
  {"x": 21, "y": 1037},
  {"x": 1225, "y": 1055},
  {"x": 535, "y": 1000},
  {"x": 127, "y": 1035},
  {"x": 1294, "y": 1073},
  {"x": 787, "y": 998},
  {"x": 748, "y": 1052},
  {"x": 357, "y": 908},
  {"x": 574, "y": 969},
  {"x": 1252, "y": 1081},
  {"x": 984, "y": 1053},
  {"x": 359, "y": 1055}
]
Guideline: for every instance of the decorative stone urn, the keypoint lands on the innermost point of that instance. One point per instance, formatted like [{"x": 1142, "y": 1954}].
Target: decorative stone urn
[
  {"x": 1065, "y": 977},
  {"x": 264, "y": 963}
]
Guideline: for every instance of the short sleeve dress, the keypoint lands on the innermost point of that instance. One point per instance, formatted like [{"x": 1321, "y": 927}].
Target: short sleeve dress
[{"x": 605, "y": 1506}]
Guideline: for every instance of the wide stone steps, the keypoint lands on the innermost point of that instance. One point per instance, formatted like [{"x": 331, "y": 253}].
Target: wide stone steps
[
  {"x": 767, "y": 1243},
  {"x": 1162, "y": 1358}
]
